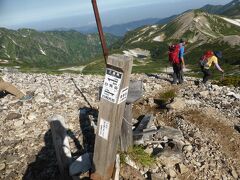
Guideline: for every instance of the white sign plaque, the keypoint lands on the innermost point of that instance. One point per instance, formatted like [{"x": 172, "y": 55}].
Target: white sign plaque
[
  {"x": 123, "y": 95},
  {"x": 111, "y": 85},
  {"x": 104, "y": 129}
]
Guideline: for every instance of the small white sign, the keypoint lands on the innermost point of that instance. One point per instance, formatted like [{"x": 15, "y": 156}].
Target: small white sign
[
  {"x": 104, "y": 129},
  {"x": 111, "y": 85},
  {"x": 123, "y": 95}
]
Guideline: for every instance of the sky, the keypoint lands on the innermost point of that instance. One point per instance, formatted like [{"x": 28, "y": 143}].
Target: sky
[{"x": 53, "y": 14}]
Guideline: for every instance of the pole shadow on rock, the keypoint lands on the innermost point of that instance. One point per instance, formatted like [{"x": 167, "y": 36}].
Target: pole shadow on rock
[
  {"x": 88, "y": 122},
  {"x": 80, "y": 91},
  {"x": 3, "y": 94},
  {"x": 161, "y": 78},
  {"x": 45, "y": 166}
]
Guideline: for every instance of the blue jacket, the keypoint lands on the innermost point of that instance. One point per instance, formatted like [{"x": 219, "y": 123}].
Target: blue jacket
[{"x": 181, "y": 52}]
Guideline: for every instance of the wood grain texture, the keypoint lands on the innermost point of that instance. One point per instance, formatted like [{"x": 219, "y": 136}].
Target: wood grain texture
[{"x": 105, "y": 149}]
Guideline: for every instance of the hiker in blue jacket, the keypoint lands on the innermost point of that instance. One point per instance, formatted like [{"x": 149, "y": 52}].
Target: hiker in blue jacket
[{"x": 178, "y": 70}]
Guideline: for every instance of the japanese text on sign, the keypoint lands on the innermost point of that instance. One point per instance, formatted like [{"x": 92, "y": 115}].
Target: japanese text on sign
[
  {"x": 123, "y": 95},
  {"x": 111, "y": 85},
  {"x": 104, "y": 129}
]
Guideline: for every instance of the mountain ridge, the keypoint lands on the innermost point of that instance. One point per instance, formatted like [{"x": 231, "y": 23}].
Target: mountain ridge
[
  {"x": 231, "y": 9},
  {"x": 201, "y": 29},
  {"x": 34, "y": 48}
]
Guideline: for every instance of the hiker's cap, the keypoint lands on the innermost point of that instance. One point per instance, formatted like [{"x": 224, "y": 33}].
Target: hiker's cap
[
  {"x": 218, "y": 54},
  {"x": 183, "y": 40}
]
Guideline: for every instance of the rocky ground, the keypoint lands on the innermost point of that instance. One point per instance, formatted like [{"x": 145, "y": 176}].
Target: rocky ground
[{"x": 198, "y": 130}]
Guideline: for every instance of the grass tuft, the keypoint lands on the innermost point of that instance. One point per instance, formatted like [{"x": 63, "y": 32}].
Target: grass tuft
[
  {"x": 138, "y": 155},
  {"x": 168, "y": 95},
  {"x": 230, "y": 81}
]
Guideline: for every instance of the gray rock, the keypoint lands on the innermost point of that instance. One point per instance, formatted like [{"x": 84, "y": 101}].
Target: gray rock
[
  {"x": 13, "y": 115},
  {"x": 32, "y": 116},
  {"x": 204, "y": 94},
  {"x": 131, "y": 163},
  {"x": 170, "y": 133},
  {"x": 232, "y": 94},
  {"x": 182, "y": 168},
  {"x": 18, "y": 123},
  {"x": 41, "y": 98},
  {"x": 151, "y": 102},
  {"x": 158, "y": 176},
  {"x": 127, "y": 172},
  {"x": 188, "y": 148},
  {"x": 192, "y": 102},
  {"x": 172, "y": 173},
  {"x": 234, "y": 173},
  {"x": 170, "y": 158},
  {"x": 81, "y": 165},
  {"x": 216, "y": 87},
  {"x": 2, "y": 166},
  {"x": 177, "y": 104},
  {"x": 149, "y": 150}
]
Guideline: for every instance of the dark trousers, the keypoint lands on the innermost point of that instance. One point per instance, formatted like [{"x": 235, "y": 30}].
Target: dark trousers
[
  {"x": 177, "y": 73},
  {"x": 206, "y": 74}
]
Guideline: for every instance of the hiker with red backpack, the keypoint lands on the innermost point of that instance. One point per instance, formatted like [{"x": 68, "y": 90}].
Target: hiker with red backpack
[
  {"x": 176, "y": 58},
  {"x": 206, "y": 61}
]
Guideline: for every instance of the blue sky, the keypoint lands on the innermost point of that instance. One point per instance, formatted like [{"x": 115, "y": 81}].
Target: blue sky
[{"x": 49, "y": 14}]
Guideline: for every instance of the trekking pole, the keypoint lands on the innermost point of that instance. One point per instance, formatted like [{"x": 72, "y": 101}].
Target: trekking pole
[
  {"x": 84, "y": 97},
  {"x": 166, "y": 71},
  {"x": 50, "y": 84},
  {"x": 222, "y": 78}
]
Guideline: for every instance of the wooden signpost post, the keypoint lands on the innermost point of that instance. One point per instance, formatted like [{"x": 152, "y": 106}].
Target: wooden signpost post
[
  {"x": 135, "y": 93},
  {"x": 112, "y": 105}
]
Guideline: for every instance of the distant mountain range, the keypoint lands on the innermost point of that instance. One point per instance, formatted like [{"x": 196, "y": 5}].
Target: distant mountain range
[
  {"x": 121, "y": 29},
  {"x": 231, "y": 9},
  {"x": 56, "y": 48},
  {"x": 203, "y": 31},
  {"x": 118, "y": 29}
]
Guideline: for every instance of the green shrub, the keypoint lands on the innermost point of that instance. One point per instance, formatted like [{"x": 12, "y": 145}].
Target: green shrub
[
  {"x": 228, "y": 81},
  {"x": 138, "y": 155},
  {"x": 168, "y": 95}
]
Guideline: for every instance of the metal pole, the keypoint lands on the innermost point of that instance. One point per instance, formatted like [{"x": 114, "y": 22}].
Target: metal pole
[{"x": 100, "y": 30}]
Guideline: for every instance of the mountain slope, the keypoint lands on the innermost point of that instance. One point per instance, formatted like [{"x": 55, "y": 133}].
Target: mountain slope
[
  {"x": 30, "y": 47},
  {"x": 193, "y": 25},
  {"x": 121, "y": 29},
  {"x": 200, "y": 28},
  {"x": 231, "y": 9}
]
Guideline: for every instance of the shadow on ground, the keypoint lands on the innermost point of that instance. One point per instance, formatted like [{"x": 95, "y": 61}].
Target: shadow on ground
[{"x": 45, "y": 166}]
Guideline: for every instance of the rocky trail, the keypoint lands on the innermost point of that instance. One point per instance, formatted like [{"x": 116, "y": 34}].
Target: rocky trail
[{"x": 198, "y": 127}]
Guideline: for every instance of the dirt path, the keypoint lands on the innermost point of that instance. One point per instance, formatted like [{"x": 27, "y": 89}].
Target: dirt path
[{"x": 221, "y": 133}]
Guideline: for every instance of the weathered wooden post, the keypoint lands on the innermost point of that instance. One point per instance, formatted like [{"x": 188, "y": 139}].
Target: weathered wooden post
[
  {"x": 61, "y": 144},
  {"x": 135, "y": 92},
  {"x": 112, "y": 104}
]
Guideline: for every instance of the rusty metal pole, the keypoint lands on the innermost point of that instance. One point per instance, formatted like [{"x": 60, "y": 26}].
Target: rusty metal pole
[{"x": 100, "y": 30}]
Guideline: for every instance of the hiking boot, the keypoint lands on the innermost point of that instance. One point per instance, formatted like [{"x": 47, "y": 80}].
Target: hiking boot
[{"x": 26, "y": 98}]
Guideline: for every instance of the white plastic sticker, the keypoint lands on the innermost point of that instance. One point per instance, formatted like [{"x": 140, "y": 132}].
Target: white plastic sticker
[
  {"x": 104, "y": 129},
  {"x": 123, "y": 95},
  {"x": 111, "y": 85}
]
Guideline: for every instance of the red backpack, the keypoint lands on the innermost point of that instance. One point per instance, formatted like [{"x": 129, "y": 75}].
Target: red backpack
[
  {"x": 173, "y": 53},
  {"x": 205, "y": 57}
]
